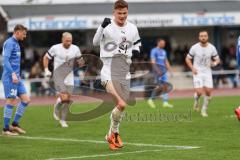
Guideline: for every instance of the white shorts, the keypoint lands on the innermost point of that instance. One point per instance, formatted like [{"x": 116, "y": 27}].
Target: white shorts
[
  {"x": 106, "y": 73},
  {"x": 62, "y": 84},
  {"x": 203, "y": 80},
  {"x": 122, "y": 88},
  {"x": 115, "y": 68}
]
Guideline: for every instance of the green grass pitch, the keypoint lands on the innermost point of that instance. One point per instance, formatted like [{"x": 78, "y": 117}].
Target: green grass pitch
[{"x": 146, "y": 137}]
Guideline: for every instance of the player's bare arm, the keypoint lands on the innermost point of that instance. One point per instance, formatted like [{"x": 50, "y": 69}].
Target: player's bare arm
[
  {"x": 155, "y": 67},
  {"x": 215, "y": 61},
  {"x": 47, "y": 73},
  {"x": 190, "y": 65},
  {"x": 99, "y": 33},
  {"x": 14, "y": 78},
  {"x": 168, "y": 66}
]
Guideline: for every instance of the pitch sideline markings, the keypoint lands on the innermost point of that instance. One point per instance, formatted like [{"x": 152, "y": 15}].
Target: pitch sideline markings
[
  {"x": 104, "y": 142},
  {"x": 174, "y": 147},
  {"x": 110, "y": 154}
]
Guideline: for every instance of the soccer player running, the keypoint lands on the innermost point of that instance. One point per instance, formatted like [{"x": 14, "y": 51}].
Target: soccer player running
[
  {"x": 204, "y": 56},
  {"x": 160, "y": 64},
  {"x": 12, "y": 83},
  {"x": 117, "y": 38},
  {"x": 61, "y": 54}
]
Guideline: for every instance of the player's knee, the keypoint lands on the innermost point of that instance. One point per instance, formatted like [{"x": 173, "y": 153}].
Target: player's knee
[
  {"x": 27, "y": 100},
  {"x": 64, "y": 97},
  {"x": 208, "y": 94},
  {"x": 65, "y": 100},
  {"x": 199, "y": 93},
  {"x": 121, "y": 105},
  {"x": 12, "y": 101}
]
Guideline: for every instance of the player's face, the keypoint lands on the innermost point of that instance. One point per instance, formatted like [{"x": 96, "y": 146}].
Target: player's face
[
  {"x": 120, "y": 15},
  {"x": 161, "y": 44},
  {"x": 203, "y": 37},
  {"x": 67, "y": 41},
  {"x": 21, "y": 34}
]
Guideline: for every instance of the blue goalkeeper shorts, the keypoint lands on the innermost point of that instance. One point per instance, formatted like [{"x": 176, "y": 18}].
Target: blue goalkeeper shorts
[{"x": 13, "y": 90}]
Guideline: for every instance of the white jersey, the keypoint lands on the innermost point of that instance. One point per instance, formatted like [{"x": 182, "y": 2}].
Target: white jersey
[
  {"x": 202, "y": 56},
  {"x": 62, "y": 55},
  {"x": 115, "y": 40}
]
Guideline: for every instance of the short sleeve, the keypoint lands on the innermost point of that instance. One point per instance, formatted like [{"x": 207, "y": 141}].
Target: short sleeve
[
  {"x": 51, "y": 52},
  {"x": 137, "y": 41},
  {"x": 214, "y": 53},
  {"x": 191, "y": 53},
  {"x": 152, "y": 54},
  {"x": 165, "y": 53},
  {"x": 78, "y": 52}
]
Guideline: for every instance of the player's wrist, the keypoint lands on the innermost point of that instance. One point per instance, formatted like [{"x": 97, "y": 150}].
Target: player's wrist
[
  {"x": 46, "y": 70},
  {"x": 47, "y": 73},
  {"x": 214, "y": 64}
]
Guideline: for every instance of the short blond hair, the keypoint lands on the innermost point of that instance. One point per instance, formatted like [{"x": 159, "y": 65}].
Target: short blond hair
[{"x": 66, "y": 34}]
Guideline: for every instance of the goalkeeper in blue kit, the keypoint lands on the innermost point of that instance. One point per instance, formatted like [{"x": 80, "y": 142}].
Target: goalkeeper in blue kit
[{"x": 13, "y": 85}]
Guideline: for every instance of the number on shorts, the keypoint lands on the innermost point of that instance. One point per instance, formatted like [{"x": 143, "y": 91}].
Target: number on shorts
[{"x": 13, "y": 92}]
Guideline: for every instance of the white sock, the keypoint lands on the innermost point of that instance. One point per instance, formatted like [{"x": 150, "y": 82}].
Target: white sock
[
  {"x": 58, "y": 104},
  {"x": 65, "y": 109},
  {"x": 196, "y": 100},
  {"x": 206, "y": 102},
  {"x": 196, "y": 97},
  {"x": 116, "y": 117}
]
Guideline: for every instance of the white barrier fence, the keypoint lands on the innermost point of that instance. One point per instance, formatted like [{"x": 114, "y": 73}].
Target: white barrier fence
[{"x": 179, "y": 80}]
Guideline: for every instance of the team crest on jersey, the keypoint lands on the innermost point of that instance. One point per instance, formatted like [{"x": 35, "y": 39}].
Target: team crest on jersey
[
  {"x": 123, "y": 32},
  {"x": 124, "y": 39}
]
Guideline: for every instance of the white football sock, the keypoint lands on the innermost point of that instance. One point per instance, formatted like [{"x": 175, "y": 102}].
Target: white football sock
[
  {"x": 116, "y": 117},
  {"x": 206, "y": 102},
  {"x": 58, "y": 104},
  {"x": 65, "y": 109},
  {"x": 196, "y": 97}
]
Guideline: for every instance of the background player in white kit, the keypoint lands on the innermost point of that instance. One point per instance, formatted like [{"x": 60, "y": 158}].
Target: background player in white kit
[
  {"x": 204, "y": 56},
  {"x": 62, "y": 53},
  {"x": 117, "y": 38}
]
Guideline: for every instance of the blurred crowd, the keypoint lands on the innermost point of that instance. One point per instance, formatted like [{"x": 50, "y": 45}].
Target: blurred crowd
[{"x": 32, "y": 67}]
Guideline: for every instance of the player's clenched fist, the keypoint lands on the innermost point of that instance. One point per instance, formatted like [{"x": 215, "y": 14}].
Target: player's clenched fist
[
  {"x": 14, "y": 78},
  {"x": 47, "y": 73},
  {"x": 106, "y": 22}
]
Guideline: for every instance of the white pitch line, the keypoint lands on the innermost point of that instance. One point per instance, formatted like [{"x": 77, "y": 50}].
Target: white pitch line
[
  {"x": 103, "y": 142},
  {"x": 110, "y": 154}
]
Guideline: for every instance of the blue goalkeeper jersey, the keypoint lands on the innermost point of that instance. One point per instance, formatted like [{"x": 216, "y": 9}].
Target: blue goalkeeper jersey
[
  {"x": 159, "y": 55},
  {"x": 11, "y": 58}
]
